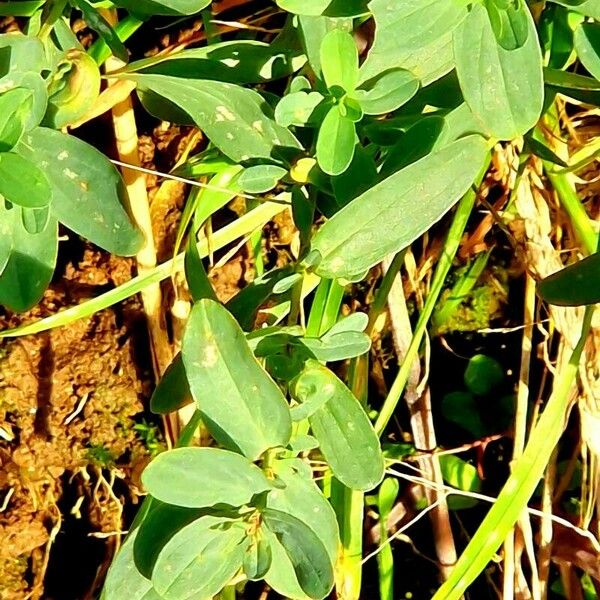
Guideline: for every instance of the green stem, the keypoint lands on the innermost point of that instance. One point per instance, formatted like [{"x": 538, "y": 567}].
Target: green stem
[
  {"x": 457, "y": 228},
  {"x": 348, "y": 504},
  {"x": 570, "y": 201},
  {"x": 517, "y": 491},
  {"x": 124, "y": 29}
]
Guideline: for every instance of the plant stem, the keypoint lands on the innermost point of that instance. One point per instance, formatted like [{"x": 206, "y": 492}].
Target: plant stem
[
  {"x": 126, "y": 139},
  {"x": 124, "y": 29}
]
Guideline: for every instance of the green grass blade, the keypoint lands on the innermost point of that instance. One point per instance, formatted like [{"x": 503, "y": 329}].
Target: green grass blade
[
  {"x": 521, "y": 484},
  {"x": 243, "y": 226}
]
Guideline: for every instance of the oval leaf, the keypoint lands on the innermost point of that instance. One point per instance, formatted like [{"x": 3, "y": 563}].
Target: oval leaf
[
  {"x": 335, "y": 143},
  {"x": 29, "y": 260},
  {"x": 163, "y": 7},
  {"x": 15, "y": 106},
  {"x": 297, "y": 108},
  {"x": 308, "y": 555},
  {"x": 235, "y": 119},
  {"x": 587, "y": 45},
  {"x": 88, "y": 195},
  {"x": 346, "y": 436},
  {"x": 241, "y": 405},
  {"x": 576, "y": 285},
  {"x": 124, "y": 575},
  {"x": 395, "y": 212},
  {"x": 260, "y": 178},
  {"x": 172, "y": 391},
  {"x": 387, "y": 91},
  {"x": 22, "y": 183},
  {"x": 503, "y": 88},
  {"x": 200, "y": 559},
  {"x": 201, "y": 477},
  {"x": 159, "y": 525},
  {"x": 415, "y": 35},
  {"x": 339, "y": 60}
]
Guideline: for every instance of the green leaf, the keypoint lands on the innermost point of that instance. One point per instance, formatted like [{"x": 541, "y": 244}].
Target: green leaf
[
  {"x": 163, "y": 7},
  {"x": 541, "y": 150},
  {"x": 241, "y": 405},
  {"x": 312, "y": 30},
  {"x": 101, "y": 26},
  {"x": 240, "y": 61},
  {"x": 503, "y": 88},
  {"x": 309, "y": 558},
  {"x": 460, "y": 408},
  {"x": 301, "y": 7},
  {"x": 297, "y": 108},
  {"x": 26, "y": 54},
  {"x": 257, "y": 559},
  {"x": 339, "y": 60},
  {"x": 15, "y": 106},
  {"x": 335, "y": 142},
  {"x": 203, "y": 477},
  {"x": 260, "y": 178},
  {"x": 200, "y": 559},
  {"x": 302, "y": 498},
  {"x": 483, "y": 374},
  {"x": 346, "y": 436},
  {"x": 575, "y": 285},
  {"x": 510, "y": 22},
  {"x": 587, "y": 45},
  {"x": 159, "y": 525},
  {"x": 221, "y": 188},
  {"x": 124, "y": 575},
  {"x": 415, "y": 35},
  {"x": 337, "y": 346},
  {"x": 195, "y": 274},
  {"x": 22, "y": 182},
  {"x": 589, "y": 8},
  {"x": 417, "y": 142},
  {"x": 360, "y": 176},
  {"x": 235, "y": 119},
  {"x": 387, "y": 92},
  {"x": 23, "y": 8},
  {"x": 461, "y": 475},
  {"x": 29, "y": 260},
  {"x": 37, "y": 86},
  {"x": 88, "y": 195},
  {"x": 172, "y": 391},
  {"x": 392, "y": 214}
]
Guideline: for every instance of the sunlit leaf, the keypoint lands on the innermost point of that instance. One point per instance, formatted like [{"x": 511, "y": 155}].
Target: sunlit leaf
[
  {"x": 241, "y": 405},
  {"x": 346, "y": 436},
  {"x": 503, "y": 88},
  {"x": 200, "y": 559},
  {"x": 203, "y": 477},
  {"x": 395, "y": 212},
  {"x": 88, "y": 195}
]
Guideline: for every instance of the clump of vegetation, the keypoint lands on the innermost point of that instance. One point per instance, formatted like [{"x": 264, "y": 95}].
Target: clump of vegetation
[{"x": 368, "y": 140}]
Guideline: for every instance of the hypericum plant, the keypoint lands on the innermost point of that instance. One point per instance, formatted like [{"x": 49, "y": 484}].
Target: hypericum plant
[
  {"x": 383, "y": 147},
  {"x": 46, "y": 176}
]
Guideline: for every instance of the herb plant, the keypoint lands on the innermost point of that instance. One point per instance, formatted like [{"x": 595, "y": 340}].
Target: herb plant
[{"x": 369, "y": 151}]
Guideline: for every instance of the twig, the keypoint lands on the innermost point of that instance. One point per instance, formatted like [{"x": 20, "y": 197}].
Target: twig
[{"x": 127, "y": 148}]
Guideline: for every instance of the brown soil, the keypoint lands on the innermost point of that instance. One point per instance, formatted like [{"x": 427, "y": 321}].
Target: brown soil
[{"x": 69, "y": 455}]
